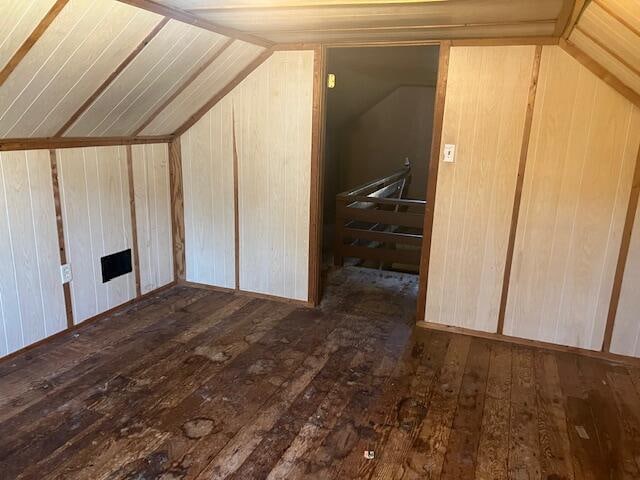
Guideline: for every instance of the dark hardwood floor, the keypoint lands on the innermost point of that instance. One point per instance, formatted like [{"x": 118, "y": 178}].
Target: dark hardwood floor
[{"x": 200, "y": 384}]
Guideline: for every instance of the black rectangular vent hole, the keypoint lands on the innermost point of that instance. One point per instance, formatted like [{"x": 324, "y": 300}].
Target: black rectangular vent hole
[{"x": 115, "y": 265}]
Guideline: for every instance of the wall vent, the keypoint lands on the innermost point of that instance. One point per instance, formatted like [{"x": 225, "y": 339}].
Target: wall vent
[{"x": 116, "y": 265}]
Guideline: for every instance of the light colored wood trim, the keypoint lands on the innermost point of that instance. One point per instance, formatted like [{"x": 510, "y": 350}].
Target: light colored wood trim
[
  {"x": 236, "y": 203},
  {"x": 296, "y": 46},
  {"x": 432, "y": 180},
  {"x": 112, "y": 77},
  {"x": 578, "y": 8},
  {"x": 459, "y": 42},
  {"x": 244, "y": 293},
  {"x": 222, "y": 93},
  {"x": 316, "y": 180},
  {"x": 612, "y": 357},
  {"x": 506, "y": 41},
  {"x": 31, "y": 40},
  {"x": 564, "y": 17},
  {"x": 186, "y": 17},
  {"x": 134, "y": 223},
  {"x": 188, "y": 82},
  {"x": 177, "y": 209},
  {"x": 86, "y": 322},
  {"x": 601, "y": 72},
  {"x": 614, "y": 14},
  {"x": 7, "y": 144},
  {"x": 635, "y": 69},
  {"x": 622, "y": 256},
  {"x": 524, "y": 150},
  {"x": 57, "y": 202}
]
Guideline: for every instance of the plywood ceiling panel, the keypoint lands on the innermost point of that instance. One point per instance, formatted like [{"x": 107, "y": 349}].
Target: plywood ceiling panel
[
  {"x": 213, "y": 79},
  {"x": 17, "y": 20},
  {"x": 307, "y": 20},
  {"x": 78, "y": 51},
  {"x": 156, "y": 73},
  {"x": 609, "y": 32}
]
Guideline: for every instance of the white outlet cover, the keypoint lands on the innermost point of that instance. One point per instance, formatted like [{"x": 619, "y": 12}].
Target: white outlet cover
[
  {"x": 65, "y": 273},
  {"x": 449, "y": 153}
]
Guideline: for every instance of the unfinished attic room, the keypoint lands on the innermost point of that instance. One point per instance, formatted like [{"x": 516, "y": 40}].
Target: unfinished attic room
[{"x": 320, "y": 239}]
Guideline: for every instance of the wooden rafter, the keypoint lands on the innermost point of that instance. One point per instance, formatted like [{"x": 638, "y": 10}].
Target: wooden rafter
[
  {"x": 85, "y": 106},
  {"x": 31, "y": 40},
  {"x": 188, "y": 82},
  {"x": 71, "y": 142},
  {"x": 564, "y": 17},
  {"x": 186, "y": 17},
  {"x": 221, "y": 94},
  {"x": 578, "y": 8}
]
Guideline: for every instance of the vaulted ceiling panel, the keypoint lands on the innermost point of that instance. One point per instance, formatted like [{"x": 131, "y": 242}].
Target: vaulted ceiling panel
[
  {"x": 156, "y": 73},
  {"x": 17, "y": 20},
  {"x": 83, "y": 45},
  {"x": 212, "y": 80},
  {"x": 331, "y": 20},
  {"x": 609, "y": 32}
]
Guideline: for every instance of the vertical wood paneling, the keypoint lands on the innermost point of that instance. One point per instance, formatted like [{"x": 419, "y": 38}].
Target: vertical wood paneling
[
  {"x": 626, "y": 331},
  {"x": 273, "y": 123},
  {"x": 153, "y": 215},
  {"x": 474, "y": 198},
  {"x": 97, "y": 222},
  {"x": 31, "y": 295},
  {"x": 584, "y": 140},
  {"x": 207, "y": 168}
]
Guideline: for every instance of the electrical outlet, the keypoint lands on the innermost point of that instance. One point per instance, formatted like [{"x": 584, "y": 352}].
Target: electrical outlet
[
  {"x": 65, "y": 273},
  {"x": 449, "y": 153}
]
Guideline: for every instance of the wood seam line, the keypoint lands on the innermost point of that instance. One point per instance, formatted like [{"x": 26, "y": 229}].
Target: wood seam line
[
  {"x": 32, "y": 39},
  {"x": 575, "y": 17},
  {"x": 607, "y": 49},
  {"x": 564, "y": 17},
  {"x": 622, "y": 256},
  {"x": 193, "y": 119},
  {"x": 517, "y": 199},
  {"x": 601, "y": 72},
  {"x": 134, "y": 223},
  {"x": 119, "y": 69},
  {"x": 186, "y": 17},
  {"x": 74, "y": 142},
  {"x": 620, "y": 19},
  {"x": 317, "y": 184},
  {"x": 432, "y": 179},
  {"x": 236, "y": 206},
  {"x": 183, "y": 87},
  {"x": 62, "y": 249},
  {"x": 177, "y": 208}
]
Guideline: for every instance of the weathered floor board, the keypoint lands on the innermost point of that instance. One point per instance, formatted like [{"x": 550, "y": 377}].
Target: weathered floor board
[{"x": 196, "y": 384}]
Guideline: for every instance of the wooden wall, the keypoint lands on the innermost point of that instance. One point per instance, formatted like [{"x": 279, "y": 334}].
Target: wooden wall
[
  {"x": 475, "y": 194},
  {"x": 97, "y": 221},
  {"x": 153, "y": 214},
  {"x": 626, "y": 332},
  {"x": 580, "y": 162},
  {"x": 269, "y": 116},
  {"x": 31, "y": 298},
  {"x": 207, "y": 172},
  {"x": 273, "y": 113}
]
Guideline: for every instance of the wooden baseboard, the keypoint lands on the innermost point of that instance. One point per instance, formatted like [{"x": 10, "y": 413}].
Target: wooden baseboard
[
  {"x": 86, "y": 322},
  {"x": 611, "y": 357},
  {"x": 264, "y": 296}
]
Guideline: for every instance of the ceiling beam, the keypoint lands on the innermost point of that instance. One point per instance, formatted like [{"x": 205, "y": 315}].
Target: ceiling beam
[
  {"x": 564, "y": 17},
  {"x": 578, "y": 8},
  {"x": 76, "y": 142},
  {"x": 182, "y": 87},
  {"x": 222, "y": 93},
  {"x": 32, "y": 39},
  {"x": 186, "y": 17},
  {"x": 85, "y": 106}
]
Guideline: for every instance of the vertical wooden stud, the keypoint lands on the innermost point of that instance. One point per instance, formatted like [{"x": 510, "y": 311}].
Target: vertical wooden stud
[
  {"x": 432, "y": 180},
  {"x": 177, "y": 208},
  {"x": 524, "y": 149},
  {"x": 134, "y": 223},
  {"x": 57, "y": 202}
]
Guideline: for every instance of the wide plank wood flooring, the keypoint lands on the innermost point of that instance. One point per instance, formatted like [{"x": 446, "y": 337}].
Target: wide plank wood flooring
[{"x": 196, "y": 384}]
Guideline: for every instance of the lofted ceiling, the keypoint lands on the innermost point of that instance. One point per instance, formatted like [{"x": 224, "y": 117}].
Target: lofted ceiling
[{"x": 123, "y": 68}]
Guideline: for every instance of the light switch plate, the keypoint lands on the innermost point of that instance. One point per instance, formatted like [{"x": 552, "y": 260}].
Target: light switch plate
[
  {"x": 449, "y": 154},
  {"x": 65, "y": 273}
]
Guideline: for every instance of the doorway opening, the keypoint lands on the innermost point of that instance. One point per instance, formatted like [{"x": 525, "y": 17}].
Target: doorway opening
[{"x": 378, "y": 134}]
